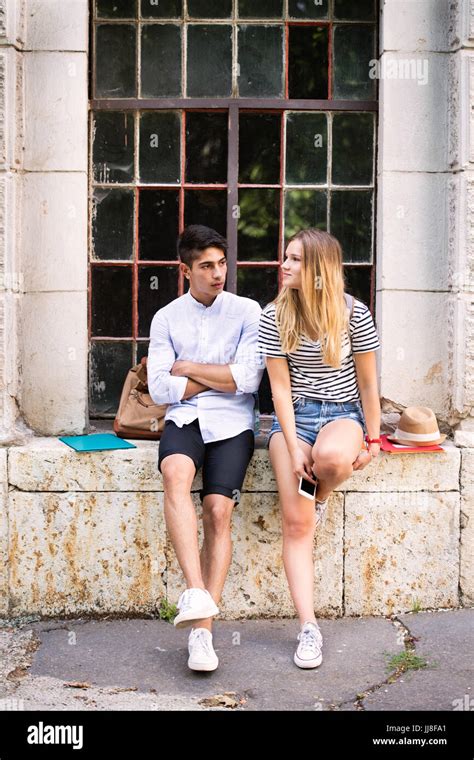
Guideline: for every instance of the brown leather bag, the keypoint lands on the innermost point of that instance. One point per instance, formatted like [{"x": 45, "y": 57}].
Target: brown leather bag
[{"x": 138, "y": 416}]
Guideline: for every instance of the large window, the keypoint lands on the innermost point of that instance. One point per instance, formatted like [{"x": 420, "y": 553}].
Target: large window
[{"x": 255, "y": 117}]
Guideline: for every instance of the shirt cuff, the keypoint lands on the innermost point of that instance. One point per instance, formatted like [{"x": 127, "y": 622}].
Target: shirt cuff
[
  {"x": 176, "y": 388},
  {"x": 239, "y": 374}
]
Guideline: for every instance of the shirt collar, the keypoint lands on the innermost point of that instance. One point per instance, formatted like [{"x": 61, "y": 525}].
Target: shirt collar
[{"x": 201, "y": 306}]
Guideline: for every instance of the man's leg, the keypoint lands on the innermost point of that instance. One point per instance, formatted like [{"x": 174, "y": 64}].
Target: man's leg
[
  {"x": 180, "y": 516},
  {"x": 216, "y": 552},
  {"x": 224, "y": 468},
  {"x": 181, "y": 454}
]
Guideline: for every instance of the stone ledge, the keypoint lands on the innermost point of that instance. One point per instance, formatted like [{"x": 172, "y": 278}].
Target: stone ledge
[{"x": 47, "y": 464}]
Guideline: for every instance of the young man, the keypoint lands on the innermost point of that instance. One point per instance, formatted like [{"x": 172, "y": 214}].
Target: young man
[{"x": 203, "y": 362}]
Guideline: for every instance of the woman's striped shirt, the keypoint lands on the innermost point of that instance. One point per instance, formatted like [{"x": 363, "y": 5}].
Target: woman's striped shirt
[{"x": 310, "y": 376}]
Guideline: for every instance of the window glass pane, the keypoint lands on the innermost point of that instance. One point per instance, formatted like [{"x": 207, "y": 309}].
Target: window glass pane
[
  {"x": 210, "y": 8},
  {"x": 259, "y": 148},
  {"x": 209, "y": 61},
  {"x": 112, "y": 150},
  {"x": 162, "y": 8},
  {"x": 258, "y": 224},
  {"x": 306, "y": 148},
  {"x": 358, "y": 282},
  {"x": 142, "y": 349},
  {"x": 115, "y": 61},
  {"x": 351, "y": 223},
  {"x": 304, "y": 209},
  {"x": 116, "y": 8},
  {"x": 160, "y": 139},
  {"x": 353, "y": 148},
  {"x": 208, "y": 207},
  {"x": 260, "y": 50},
  {"x": 109, "y": 364},
  {"x": 112, "y": 224},
  {"x": 161, "y": 60},
  {"x": 259, "y": 283},
  {"x": 308, "y": 62},
  {"x": 353, "y": 50},
  {"x": 261, "y": 9},
  {"x": 206, "y": 147},
  {"x": 157, "y": 286},
  {"x": 308, "y": 8},
  {"x": 112, "y": 301},
  {"x": 158, "y": 222},
  {"x": 362, "y": 10}
]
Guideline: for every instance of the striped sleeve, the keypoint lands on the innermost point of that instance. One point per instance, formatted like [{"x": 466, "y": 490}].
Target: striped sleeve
[
  {"x": 269, "y": 343},
  {"x": 363, "y": 333}
]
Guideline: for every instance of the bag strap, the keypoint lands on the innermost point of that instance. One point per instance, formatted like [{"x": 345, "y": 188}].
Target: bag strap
[{"x": 350, "y": 304}]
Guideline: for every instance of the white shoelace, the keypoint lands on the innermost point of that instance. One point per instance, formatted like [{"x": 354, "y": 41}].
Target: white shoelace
[
  {"x": 187, "y": 598},
  {"x": 320, "y": 508},
  {"x": 310, "y": 639}
]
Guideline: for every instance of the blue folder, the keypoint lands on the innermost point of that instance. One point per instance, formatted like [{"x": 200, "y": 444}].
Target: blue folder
[{"x": 96, "y": 442}]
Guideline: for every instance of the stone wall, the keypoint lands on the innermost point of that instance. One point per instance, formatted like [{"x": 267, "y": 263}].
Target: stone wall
[
  {"x": 87, "y": 536},
  {"x": 85, "y": 533}
]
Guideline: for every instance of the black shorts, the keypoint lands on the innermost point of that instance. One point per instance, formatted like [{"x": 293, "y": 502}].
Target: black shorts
[{"x": 224, "y": 463}]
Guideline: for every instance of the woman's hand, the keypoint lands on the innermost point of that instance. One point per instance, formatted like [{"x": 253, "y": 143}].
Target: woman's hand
[
  {"x": 302, "y": 465},
  {"x": 365, "y": 456}
]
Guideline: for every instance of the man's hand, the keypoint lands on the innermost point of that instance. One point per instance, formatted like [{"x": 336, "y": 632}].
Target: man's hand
[
  {"x": 180, "y": 369},
  {"x": 217, "y": 377}
]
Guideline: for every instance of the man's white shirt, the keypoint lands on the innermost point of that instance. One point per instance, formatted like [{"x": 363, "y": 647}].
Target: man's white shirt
[{"x": 224, "y": 333}]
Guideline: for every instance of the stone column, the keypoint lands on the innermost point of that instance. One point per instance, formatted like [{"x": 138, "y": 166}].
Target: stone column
[
  {"x": 11, "y": 277},
  {"x": 461, "y": 223},
  {"x": 414, "y": 296},
  {"x": 53, "y": 341},
  {"x": 461, "y": 252}
]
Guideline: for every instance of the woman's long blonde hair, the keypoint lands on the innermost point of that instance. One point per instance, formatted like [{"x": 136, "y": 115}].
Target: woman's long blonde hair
[{"x": 318, "y": 310}]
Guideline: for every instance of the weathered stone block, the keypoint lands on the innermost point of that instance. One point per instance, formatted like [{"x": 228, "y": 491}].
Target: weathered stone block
[
  {"x": 401, "y": 550},
  {"x": 88, "y": 553},
  {"x": 467, "y": 527}
]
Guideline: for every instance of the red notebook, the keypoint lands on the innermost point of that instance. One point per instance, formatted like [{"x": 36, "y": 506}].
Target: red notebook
[{"x": 398, "y": 448}]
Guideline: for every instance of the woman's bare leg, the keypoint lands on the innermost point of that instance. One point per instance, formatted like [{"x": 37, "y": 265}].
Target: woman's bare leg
[{"x": 298, "y": 527}]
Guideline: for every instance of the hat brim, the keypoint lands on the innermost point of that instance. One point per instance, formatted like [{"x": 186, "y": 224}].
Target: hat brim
[{"x": 405, "y": 442}]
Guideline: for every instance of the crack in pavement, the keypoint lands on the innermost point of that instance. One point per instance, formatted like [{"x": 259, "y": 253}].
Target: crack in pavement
[{"x": 410, "y": 646}]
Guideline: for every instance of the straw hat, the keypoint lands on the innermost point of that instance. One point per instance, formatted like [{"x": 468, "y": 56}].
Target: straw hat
[{"x": 417, "y": 426}]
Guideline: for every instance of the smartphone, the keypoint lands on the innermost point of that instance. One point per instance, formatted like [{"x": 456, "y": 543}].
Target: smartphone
[{"x": 307, "y": 489}]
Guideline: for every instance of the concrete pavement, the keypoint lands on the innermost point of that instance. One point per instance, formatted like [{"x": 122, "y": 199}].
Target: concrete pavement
[{"x": 140, "y": 664}]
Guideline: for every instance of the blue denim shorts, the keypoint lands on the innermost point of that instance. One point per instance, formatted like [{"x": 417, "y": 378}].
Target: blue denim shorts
[{"x": 311, "y": 415}]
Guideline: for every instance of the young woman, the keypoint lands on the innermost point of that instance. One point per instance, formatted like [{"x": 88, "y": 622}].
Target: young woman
[{"x": 327, "y": 408}]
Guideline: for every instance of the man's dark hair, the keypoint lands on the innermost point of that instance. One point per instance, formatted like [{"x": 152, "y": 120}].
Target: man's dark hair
[{"x": 195, "y": 239}]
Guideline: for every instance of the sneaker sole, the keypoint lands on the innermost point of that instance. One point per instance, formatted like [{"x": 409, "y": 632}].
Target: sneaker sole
[
  {"x": 203, "y": 666},
  {"x": 306, "y": 664},
  {"x": 189, "y": 618}
]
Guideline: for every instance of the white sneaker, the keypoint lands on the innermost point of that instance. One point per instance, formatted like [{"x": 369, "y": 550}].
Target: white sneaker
[
  {"x": 320, "y": 507},
  {"x": 201, "y": 652},
  {"x": 194, "y": 604},
  {"x": 309, "y": 654}
]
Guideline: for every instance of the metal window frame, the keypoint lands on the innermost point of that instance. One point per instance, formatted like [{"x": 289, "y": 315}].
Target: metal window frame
[{"x": 233, "y": 106}]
